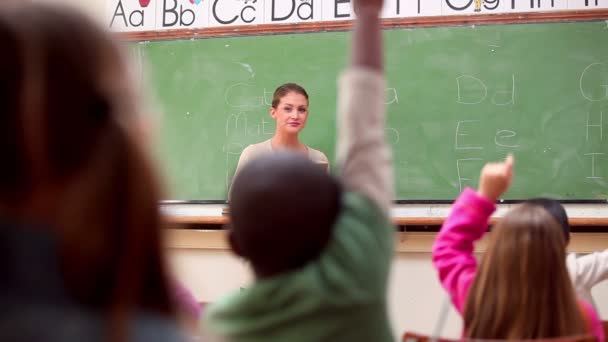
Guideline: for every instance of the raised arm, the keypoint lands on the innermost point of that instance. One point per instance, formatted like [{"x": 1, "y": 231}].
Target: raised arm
[
  {"x": 467, "y": 222},
  {"x": 367, "y": 37},
  {"x": 453, "y": 248},
  {"x": 364, "y": 158}
]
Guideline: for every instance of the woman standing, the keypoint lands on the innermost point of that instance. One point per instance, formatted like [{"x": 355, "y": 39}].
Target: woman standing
[{"x": 290, "y": 111}]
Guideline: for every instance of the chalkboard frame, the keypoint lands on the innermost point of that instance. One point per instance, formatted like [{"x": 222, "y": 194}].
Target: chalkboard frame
[{"x": 387, "y": 23}]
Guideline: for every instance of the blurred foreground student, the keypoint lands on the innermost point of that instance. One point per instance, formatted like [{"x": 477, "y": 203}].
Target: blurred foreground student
[
  {"x": 320, "y": 247},
  {"x": 80, "y": 244}
]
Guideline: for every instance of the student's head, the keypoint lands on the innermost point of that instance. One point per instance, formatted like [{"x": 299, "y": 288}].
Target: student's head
[
  {"x": 522, "y": 289},
  {"x": 73, "y": 159},
  {"x": 289, "y": 108},
  {"x": 282, "y": 210},
  {"x": 556, "y": 210}
]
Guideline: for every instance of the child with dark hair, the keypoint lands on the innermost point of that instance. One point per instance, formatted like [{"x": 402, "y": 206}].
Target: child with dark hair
[
  {"x": 320, "y": 247},
  {"x": 585, "y": 271}
]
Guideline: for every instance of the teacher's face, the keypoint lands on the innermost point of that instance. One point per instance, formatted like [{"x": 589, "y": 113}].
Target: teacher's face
[{"x": 291, "y": 113}]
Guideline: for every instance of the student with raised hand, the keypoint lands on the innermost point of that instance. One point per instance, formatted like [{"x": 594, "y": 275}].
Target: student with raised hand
[
  {"x": 81, "y": 254},
  {"x": 521, "y": 290},
  {"x": 585, "y": 271},
  {"x": 320, "y": 247}
]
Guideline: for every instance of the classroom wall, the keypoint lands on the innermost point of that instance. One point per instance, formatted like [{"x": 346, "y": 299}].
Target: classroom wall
[{"x": 415, "y": 296}]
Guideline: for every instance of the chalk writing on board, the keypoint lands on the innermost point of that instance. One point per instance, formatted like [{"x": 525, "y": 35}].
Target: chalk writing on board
[
  {"x": 598, "y": 126},
  {"x": 593, "y": 82},
  {"x": 461, "y": 179},
  {"x": 240, "y": 123},
  {"x": 391, "y": 96},
  {"x": 247, "y": 68},
  {"x": 233, "y": 120},
  {"x": 461, "y": 133},
  {"x": 268, "y": 96},
  {"x": 502, "y": 135},
  {"x": 241, "y": 95},
  {"x": 472, "y": 90},
  {"x": 502, "y": 138},
  {"x": 392, "y": 135},
  {"x": 266, "y": 124},
  {"x": 461, "y": 81},
  {"x": 246, "y": 96},
  {"x": 509, "y": 95},
  {"x": 593, "y": 164}
]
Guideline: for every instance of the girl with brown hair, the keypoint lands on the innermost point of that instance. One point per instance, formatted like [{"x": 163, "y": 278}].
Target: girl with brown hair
[
  {"x": 80, "y": 231},
  {"x": 521, "y": 290}
]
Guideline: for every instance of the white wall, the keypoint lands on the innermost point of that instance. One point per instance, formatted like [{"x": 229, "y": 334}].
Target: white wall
[
  {"x": 415, "y": 296},
  {"x": 94, "y": 8}
]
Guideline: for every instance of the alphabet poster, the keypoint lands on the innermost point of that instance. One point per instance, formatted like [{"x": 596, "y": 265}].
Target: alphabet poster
[{"x": 155, "y": 15}]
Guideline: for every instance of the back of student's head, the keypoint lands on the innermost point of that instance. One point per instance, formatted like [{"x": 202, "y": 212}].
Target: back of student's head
[
  {"x": 556, "y": 210},
  {"x": 72, "y": 157},
  {"x": 282, "y": 210},
  {"x": 522, "y": 289}
]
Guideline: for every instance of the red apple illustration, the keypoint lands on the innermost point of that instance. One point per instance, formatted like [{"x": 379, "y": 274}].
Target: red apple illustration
[{"x": 144, "y": 3}]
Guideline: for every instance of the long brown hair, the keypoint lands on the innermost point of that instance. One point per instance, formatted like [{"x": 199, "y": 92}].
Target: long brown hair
[
  {"x": 522, "y": 289},
  {"x": 73, "y": 159}
]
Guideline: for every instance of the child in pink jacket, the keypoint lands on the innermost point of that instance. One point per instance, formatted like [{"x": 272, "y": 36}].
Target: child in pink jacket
[{"x": 521, "y": 288}]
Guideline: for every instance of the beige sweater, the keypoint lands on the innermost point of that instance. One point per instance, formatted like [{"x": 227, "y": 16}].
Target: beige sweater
[{"x": 256, "y": 150}]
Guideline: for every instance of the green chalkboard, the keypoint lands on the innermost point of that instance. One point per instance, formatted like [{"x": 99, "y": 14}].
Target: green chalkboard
[{"x": 457, "y": 97}]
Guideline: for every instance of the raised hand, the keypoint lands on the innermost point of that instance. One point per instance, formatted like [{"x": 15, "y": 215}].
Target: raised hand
[
  {"x": 367, "y": 6},
  {"x": 496, "y": 178}
]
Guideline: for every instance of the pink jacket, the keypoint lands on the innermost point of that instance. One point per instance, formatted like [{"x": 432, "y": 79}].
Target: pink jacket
[{"x": 453, "y": 251}]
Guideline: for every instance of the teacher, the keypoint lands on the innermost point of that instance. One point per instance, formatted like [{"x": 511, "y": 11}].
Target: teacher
[{"x": 290, "y": 111}]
